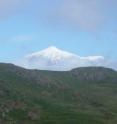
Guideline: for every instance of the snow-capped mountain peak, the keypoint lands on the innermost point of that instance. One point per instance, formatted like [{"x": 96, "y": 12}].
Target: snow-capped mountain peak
[
  {"x": 56, "y": 59},
  {"x": 52, "y": 53}
]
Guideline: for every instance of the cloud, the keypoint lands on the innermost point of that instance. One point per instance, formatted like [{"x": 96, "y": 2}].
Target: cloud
[
  {"x": 83, "y": 13},
  {"x": 42, "y": 63},
  {"x": 21, "y": 38},
  {"x": 86, "y": 14},
  {"x": 10, "y": 7}
]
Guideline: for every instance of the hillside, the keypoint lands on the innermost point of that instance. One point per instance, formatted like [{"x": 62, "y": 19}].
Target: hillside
[{"x": 85, "y": 95}]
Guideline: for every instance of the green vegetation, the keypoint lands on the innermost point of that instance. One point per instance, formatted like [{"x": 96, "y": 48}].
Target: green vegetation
[{"x": 81, "y": 96}]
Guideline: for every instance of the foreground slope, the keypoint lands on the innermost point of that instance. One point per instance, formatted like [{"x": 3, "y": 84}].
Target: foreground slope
[{"x": 81, "y": 96}]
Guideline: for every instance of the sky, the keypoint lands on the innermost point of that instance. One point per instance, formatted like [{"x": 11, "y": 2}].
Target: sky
[{"x": 83, "y": 27}]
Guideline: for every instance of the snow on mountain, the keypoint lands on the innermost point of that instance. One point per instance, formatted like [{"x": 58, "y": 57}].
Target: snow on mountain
[
  {"x": 53, "y": 58},
  {"x": 53, "y": 54}
]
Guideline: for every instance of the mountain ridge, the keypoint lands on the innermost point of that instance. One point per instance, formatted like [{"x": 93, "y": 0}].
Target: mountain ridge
[{"x": 86, "y": 67}]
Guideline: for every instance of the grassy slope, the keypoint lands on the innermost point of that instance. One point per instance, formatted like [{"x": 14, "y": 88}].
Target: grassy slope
[{"x": 44, "y": 97}]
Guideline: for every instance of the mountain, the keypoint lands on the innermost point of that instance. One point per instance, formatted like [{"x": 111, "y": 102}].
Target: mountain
[
  {"x": 53, "y": 58},
  {"x": 86, "y": 95}
]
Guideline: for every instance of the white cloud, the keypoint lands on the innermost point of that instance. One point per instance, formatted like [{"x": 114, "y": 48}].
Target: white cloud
[
  {"x": 10, "y": 7},
  {"x": 87, "y": 14},
  {"x": 21, "y": 38},
  {"x": 84, "y": 13}
]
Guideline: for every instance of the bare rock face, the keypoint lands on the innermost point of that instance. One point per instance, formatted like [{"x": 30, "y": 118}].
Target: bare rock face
[
  {"x": 34, "y": 114},
  {"x": 94, "y": 73}
]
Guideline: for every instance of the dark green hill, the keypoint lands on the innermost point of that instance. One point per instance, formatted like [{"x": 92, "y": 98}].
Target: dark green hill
[{"x": 82, "y": 96}]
